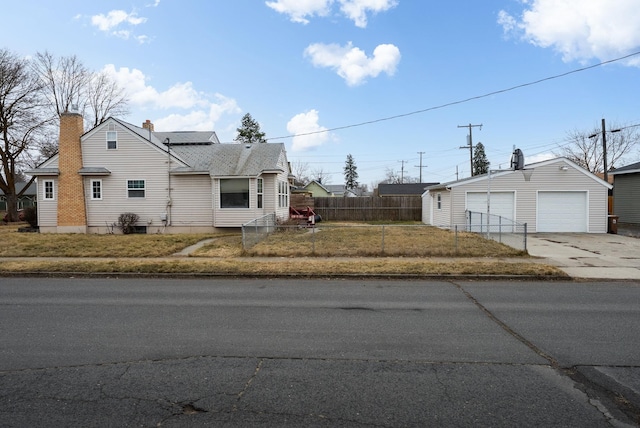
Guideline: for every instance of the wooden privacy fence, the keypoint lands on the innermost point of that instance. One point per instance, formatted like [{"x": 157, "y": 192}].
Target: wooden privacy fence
[{"x": 396, "y": 208}]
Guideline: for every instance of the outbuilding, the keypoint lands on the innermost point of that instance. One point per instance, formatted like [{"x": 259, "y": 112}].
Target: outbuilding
[{"x": 554, "y": 195}]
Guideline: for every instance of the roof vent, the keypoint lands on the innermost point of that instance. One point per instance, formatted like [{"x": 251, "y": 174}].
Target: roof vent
[{"x": 247, "y": 146}]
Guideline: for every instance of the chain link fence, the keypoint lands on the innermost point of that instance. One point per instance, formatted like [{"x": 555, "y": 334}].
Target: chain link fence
[
  {"x": 498, "y": 228},
  {"x": 359, "y": 240},
  {"x": 257, "y": 230}
]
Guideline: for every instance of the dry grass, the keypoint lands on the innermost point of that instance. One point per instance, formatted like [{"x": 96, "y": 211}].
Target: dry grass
[
  {"x": 364, "y": 241},
  {"x": 425, "y": 252},
  {"x": 16, "y": 244},
  {"x": 290, "y": 267}
]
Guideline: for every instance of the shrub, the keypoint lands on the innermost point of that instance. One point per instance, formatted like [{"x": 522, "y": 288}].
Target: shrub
[
  {"x": 30, "y": 215},
  {"x": 127, "y": 222}
]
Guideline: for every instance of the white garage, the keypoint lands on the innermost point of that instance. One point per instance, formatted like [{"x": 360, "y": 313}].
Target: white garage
[
  {"x": 562, "y": 211},
  {"x": 501, "y": 204},
  {"x": 555, "y": 195}
]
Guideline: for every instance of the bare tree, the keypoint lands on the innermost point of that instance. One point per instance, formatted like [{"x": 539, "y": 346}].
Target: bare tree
[
  {"x": 301, "y": 172},
  {"x": 320, "y": 176},
  {"x": 69, "y": 85},
  {"x": 585, "y": 148},
  {"x": 21, "y": 120},
  {"x": 105, "y": 98},
  {"x": 64, "y": 81}
]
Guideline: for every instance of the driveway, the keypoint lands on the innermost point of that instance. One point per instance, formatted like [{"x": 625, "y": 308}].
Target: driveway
[{"x": 589, "y": 255}]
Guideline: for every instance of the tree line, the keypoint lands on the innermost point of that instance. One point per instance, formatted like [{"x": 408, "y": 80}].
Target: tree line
[{"x": 34, "y": 92}]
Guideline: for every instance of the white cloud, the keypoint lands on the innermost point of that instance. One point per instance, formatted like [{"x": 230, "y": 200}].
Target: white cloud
[
  {"x": 113, "y": 22},
  {"x": 307, "y": 123},
  {"x": 300, "y": 10},
  {"x": 351, "y": 63},
  {"x": 578, "y": 29},
  {"x": 356, "y": 10},
  {"x": 114, "y": 18},
  {"x": 198, "y": 111}
]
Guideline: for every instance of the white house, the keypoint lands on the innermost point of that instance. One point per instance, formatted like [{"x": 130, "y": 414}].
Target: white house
[
  {"x": 551, "y": 196},
  {"x": 175, "y": 182}
]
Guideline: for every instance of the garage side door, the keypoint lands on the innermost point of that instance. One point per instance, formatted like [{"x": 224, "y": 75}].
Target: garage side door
[
  {"x": 502, "y": 204},
  {"x": 562, "y": 212}
]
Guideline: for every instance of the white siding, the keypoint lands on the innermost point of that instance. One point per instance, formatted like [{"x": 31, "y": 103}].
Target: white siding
[
  {"x": 549, "y": 177},
  {"x": 192, "y": 203},
  {"x": 134, "y": 159},
  {"x": 442, "y": 216},
  {"x": 427, "y": 215},
  {"x": 47, "y": 209}
]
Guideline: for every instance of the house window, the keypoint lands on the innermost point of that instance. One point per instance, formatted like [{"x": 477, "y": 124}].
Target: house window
[
  {"x": 136, "y": 188},
  {"x": 439, "y": 201},
  {"x": 112, "y": 140},
  {"x": 283, "y": 194},
  {"x": 234, "y": 193},
  {"x": 96, "y": 190},
  {"x": 260, "y": 192},
  {"x": 48, "y": 190}
]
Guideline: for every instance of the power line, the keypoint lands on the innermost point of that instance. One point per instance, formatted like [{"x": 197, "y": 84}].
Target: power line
[{"x": 466, "y": 100}]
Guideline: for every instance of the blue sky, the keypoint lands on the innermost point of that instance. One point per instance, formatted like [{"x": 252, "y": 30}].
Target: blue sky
[{"x": 303, "y": 66}]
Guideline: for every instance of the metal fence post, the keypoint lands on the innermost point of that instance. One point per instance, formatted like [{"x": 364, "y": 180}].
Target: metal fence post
[
  {"x": 313, "y": 240},
  {"x": 500, "y": 228},
  {"x": 525, "y": 236},
  {"x": 456, "y": 238},
  {"x": 383, "y": 239}
]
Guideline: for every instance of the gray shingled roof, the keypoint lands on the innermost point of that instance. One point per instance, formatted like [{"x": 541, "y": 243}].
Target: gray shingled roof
[
  {"x": 223, "y": 160},
  {"x": 202, "y": 151},
  {"x": 627, "y": 169}
]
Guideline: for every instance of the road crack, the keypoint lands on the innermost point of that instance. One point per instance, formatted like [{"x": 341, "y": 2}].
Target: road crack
[{"x": 248, "y": 384}]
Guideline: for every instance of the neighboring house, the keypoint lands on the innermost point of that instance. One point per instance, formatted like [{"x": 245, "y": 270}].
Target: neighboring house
[
  {"x": 626, "y": 188},
  {"x": 28, "y": 198},
  {"x": 405, "y": 189},
  {"x": 317, "y": 189},
  {"x": 174, "y": 181},
  {"x": 340, "y": 190},
  {"x": 552, "y": 196}
]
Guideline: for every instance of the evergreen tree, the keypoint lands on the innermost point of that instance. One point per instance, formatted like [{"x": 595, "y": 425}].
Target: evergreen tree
[
  {"x": 350, "y": 173},
  {"x": 480, "y": 162},
  {"x": 249, "y": 132}
]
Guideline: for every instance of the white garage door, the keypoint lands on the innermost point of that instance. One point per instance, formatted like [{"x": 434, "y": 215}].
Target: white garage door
[
  {"x": 501, "y": 204},
  {"x": 562, "y": 212}
]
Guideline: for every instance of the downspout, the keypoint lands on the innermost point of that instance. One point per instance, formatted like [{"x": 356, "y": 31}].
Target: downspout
[{"x": 168, "y": 219}]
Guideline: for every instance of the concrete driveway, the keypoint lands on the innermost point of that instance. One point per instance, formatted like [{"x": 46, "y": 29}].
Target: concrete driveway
[{"x": 589, "y": 255}]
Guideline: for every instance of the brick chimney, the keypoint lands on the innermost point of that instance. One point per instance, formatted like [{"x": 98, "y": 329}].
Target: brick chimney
[
  {"x": 148, "y": 125},
  {"x": 72, "y": 213}
]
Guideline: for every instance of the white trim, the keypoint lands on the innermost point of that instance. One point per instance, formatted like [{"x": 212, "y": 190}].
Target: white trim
[
  {"x": 134, "y": 189},
  {"x": 92, "y": 197},
  {"x": 44, "y": 190},
  {"x": 586, "y": 212}
]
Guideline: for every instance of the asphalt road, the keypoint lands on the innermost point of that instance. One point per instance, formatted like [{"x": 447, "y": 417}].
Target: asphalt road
[{"x": 171, "y": 353}]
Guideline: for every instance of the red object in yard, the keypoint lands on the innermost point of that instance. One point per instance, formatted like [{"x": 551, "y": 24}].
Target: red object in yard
[{"x": 306, "y": 214}]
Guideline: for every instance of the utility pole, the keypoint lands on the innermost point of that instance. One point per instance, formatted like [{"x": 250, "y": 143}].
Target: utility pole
[
  {"x": 402, "y": 171},
  {"x": 605, "y": 173},
  {"x": 470, "y": 144},
  {"x": 421, "y": 153}
]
